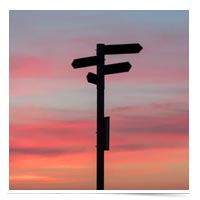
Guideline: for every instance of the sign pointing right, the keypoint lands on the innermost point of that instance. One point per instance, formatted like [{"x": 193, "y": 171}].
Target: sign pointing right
[
  {"x": 117, "y": 68},
  {"x": 123, "y": 48}
]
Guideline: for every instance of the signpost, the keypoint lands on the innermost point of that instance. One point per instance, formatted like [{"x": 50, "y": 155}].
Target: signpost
[{"x": 103, "y": 123}]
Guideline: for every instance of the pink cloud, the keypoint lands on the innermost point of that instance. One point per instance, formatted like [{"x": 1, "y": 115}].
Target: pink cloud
[
  {"x": 29, "y": 67},
  {"x": 53, "y": 135},
  {"x": 174, "y": 124},
  {"x": 52, "y": 172},
  {"x": 37, "y": 67},
  {"x": 51, "y": 150}
]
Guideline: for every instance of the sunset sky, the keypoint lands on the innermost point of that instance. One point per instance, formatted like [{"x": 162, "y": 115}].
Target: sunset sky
[{"x": 53, "y": 107}]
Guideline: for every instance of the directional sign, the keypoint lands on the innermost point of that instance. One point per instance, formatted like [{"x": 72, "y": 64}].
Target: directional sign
[
  {"x": 117, "y": 68},
  {"x": 85, "y": 62},
  {"x": 122, "y": 48},
  {"x": 92, "y": 78}
]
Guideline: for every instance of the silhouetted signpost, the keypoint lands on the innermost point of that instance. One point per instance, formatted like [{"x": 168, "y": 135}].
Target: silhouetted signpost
[{"x": 103, "y": 123}]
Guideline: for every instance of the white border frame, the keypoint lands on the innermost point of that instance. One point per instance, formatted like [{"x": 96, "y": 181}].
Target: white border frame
[{"x": 97, "y": 5}]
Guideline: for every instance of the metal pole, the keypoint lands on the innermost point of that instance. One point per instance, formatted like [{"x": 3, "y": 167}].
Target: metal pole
[{"x": 100, "y": 117}]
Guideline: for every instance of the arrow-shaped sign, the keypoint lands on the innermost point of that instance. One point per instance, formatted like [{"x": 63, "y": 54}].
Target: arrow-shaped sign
[
  {"x": 117, "y": 68},
  {"x": 92, "y": 78},
  {"x": 85, "y": 62},
  {"x": 122, "y": 48}
]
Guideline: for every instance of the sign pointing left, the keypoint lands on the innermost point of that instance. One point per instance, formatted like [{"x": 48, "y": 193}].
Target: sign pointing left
[{"x": 85, "y": 62}]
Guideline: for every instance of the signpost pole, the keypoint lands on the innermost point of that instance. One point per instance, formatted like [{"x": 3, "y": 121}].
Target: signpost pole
[{"x": 100, "y": 117}]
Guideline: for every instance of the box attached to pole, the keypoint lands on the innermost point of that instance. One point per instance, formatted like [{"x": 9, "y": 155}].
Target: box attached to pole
[{"x": 106, "y": 133}]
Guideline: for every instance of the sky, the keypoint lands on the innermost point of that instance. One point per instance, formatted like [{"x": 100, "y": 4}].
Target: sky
[{"x": 52, "y": 118}]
